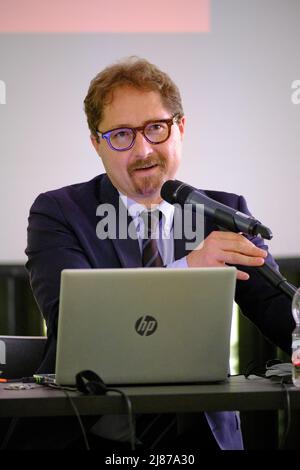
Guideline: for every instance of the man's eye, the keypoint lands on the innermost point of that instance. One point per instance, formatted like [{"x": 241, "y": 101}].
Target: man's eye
[
  {"x": 155, "y": 127},
  {"x": 121, "y": 134}
]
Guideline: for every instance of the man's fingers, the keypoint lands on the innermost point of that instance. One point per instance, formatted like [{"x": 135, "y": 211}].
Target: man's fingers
[
  {"x": 241, "y": 245},
  {"x": 221, "y": 248},
  {"x": 235, "y": 242},
  {"x": 242, "y": 276},
  {"x": 238, "y": 258}
]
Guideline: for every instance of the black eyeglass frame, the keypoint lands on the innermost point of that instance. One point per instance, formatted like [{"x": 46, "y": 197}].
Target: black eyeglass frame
[{"x": 106, "y": 135}]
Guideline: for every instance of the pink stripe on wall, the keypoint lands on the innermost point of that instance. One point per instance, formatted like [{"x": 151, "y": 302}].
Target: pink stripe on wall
[{"x": 117, "y": 16}]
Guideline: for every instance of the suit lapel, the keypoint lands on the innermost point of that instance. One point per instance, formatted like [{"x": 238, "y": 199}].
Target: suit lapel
[
  {"x": 180, "y": 244},
  {"x": 127, "y": 248}
]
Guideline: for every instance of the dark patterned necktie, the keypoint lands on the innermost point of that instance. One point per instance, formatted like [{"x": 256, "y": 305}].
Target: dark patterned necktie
[{"x": 150, "y": 255}]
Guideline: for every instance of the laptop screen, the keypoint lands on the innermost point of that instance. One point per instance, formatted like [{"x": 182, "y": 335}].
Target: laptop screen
[{"x": 142, "y": 325}]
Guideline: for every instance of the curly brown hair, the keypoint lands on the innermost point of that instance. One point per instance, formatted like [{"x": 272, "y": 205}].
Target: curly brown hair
[{"x": 135, "y": 72}]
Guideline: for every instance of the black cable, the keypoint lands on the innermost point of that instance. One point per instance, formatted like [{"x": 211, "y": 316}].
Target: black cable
[
  {"x": 86, "y": 442},
  {"x": 9, "y": 433},
  {"x": 130, "y": 415},
  {"x": 75, "y": 409},
  {"x": 282, "y": 380},
  {"x": 165, "y": 431},
  {"x": 14, "y": 421},
  {"x": 287, "y": 414},
  {"x": 105, "y": 390}
]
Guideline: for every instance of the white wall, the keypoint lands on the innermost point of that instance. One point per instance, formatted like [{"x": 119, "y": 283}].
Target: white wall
[{"x": 242, "y": 127}]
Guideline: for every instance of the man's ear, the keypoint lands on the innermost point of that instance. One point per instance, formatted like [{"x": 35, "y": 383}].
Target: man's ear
[{"x": 181, "y": 126}]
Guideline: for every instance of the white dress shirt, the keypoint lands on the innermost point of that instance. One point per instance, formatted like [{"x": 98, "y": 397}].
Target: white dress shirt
[{"x": 164, "y": 235}]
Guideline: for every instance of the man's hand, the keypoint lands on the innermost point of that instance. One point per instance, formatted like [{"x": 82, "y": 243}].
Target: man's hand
[{"x": 221, "y": 248}]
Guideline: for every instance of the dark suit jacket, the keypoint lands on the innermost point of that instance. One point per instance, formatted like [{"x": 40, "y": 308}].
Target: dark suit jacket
[{"x": 62, "y": 234}]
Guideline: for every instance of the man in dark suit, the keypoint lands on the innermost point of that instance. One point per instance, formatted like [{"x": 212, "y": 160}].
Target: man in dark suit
[{"x": 137, "y": 125}]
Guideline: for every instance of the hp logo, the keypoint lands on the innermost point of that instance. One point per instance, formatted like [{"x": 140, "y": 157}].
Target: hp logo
[{"x": 146, "y": 325}]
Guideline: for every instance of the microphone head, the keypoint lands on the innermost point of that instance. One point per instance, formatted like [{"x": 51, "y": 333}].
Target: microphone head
[
  {"x": 168, "y": 190},
  {"x": 263, "y": 231},
  {"x": 175, "y": 191}
]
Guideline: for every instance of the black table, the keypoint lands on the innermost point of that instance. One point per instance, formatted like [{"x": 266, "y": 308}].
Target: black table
[{"x": 237, "y": 393}]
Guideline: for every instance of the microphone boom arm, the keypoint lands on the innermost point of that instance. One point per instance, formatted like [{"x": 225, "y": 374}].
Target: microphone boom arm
[{"x": 174, "y": 191}]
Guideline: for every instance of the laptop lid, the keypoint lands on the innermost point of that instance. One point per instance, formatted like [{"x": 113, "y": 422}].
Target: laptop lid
[
  {"x": 20, "y": 356},
  {"x": 139, "y": 325}
]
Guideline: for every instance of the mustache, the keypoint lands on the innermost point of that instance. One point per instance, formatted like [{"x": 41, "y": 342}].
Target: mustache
[{"x": 146, "y": 163}]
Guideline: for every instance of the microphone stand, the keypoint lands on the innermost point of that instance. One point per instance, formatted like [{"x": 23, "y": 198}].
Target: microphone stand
[
  {"x": 275, "y": 278},
  {"x": 177, "y": 191}
]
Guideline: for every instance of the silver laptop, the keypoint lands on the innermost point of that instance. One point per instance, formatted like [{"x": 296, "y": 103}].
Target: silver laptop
[{"x": 145, "y": 325}]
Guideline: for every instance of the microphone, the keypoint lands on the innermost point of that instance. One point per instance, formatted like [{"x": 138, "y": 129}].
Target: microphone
[{"x": 174, "y": 191}]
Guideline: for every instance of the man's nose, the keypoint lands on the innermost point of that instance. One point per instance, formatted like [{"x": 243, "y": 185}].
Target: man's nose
[{"x": 141, "y": 147}]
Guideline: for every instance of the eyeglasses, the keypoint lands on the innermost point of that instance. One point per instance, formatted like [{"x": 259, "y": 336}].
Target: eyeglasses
[{"x": 155, "y": 132}]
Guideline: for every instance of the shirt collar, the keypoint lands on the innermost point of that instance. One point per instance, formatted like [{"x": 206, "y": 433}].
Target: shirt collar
[{"x": 135, "y": 209}]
